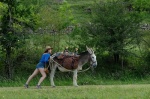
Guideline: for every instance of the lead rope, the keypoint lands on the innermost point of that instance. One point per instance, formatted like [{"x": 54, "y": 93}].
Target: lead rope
[{"x": 51, "y": 62}]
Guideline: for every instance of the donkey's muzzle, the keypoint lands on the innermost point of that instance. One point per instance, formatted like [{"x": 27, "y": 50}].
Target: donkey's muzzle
[{"x": 94, "y": 65}]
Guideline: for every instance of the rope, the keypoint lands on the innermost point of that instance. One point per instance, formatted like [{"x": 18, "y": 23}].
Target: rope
[
  {"x": 51, "y": 59},
  {"x": 84, "y": 70}
]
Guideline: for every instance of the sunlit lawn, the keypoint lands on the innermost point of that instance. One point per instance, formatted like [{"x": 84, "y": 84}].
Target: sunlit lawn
[{"x": 139, "y": 91}]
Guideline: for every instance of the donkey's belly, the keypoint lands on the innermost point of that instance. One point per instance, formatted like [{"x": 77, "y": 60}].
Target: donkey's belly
[{"x": 62, "y": 69}]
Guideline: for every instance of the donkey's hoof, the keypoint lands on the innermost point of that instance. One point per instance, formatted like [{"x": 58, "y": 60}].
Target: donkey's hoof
[
  {"x": 53, "y": 86},
  {"x": 76, "y": 85},
  {"x": 26, "y": 86}
]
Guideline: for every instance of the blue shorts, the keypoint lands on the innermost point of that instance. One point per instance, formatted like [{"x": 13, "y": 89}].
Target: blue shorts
[{"x": 40, "y": 65}]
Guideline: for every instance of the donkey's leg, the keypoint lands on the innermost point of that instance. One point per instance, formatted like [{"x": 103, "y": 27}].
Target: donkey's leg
[
  {"x": 75, "y": 77},
  {"x": 52, "y": 75}
]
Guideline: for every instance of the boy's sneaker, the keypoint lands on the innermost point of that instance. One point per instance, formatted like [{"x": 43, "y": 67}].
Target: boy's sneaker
[{"x": 26, "y": 86}]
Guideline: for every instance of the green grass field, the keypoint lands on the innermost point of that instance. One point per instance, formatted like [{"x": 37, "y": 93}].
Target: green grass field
[{"x": 139, "y": 91}]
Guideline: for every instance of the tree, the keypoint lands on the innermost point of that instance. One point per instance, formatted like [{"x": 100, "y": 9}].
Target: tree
[
  {"x": 114, "y": 28},
  {"x": 16, "y": 20},
  {"x": 138, "y": 5},
  {"x": 57, "y": 21}
]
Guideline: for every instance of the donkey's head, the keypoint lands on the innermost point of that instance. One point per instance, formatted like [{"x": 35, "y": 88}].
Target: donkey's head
[{"x": 93, "y": 60}]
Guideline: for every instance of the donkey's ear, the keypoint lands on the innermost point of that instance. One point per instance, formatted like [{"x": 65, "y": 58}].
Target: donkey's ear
[
  {"x": 89, "y": 50},
  {"x": 86, "y": 47},
  {"x": 92, "y": 50}
]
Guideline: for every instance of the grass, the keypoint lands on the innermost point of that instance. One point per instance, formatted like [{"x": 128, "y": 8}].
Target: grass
[
  {"x": 81, "y": 92},
  {"x": 65, "y": 79},
  {"x": 90, "y": 87}
]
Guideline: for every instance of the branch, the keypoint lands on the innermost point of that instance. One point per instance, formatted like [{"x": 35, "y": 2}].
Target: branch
[{"x": 23, "y": 23}]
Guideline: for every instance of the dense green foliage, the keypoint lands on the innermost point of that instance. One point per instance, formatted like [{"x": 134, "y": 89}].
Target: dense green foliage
[
  {"x": 16, "y": 21},
  {"x": 112, "y": 28}
]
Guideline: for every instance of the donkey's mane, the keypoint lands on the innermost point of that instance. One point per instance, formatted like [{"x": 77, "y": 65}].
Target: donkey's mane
[{"x": 83, "y": 53}]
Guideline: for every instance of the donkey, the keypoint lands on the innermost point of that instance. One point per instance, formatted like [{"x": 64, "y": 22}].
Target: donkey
[{"x": 84, "y": 57}]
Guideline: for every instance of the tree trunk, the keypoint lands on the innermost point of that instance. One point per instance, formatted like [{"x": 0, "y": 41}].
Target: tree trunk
[
  {"x": 8, "y": 61},
  {"x": 8, "y": 64},
  {"x": 122, "y": 65},
  {"x": 116, "y": 57}
]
